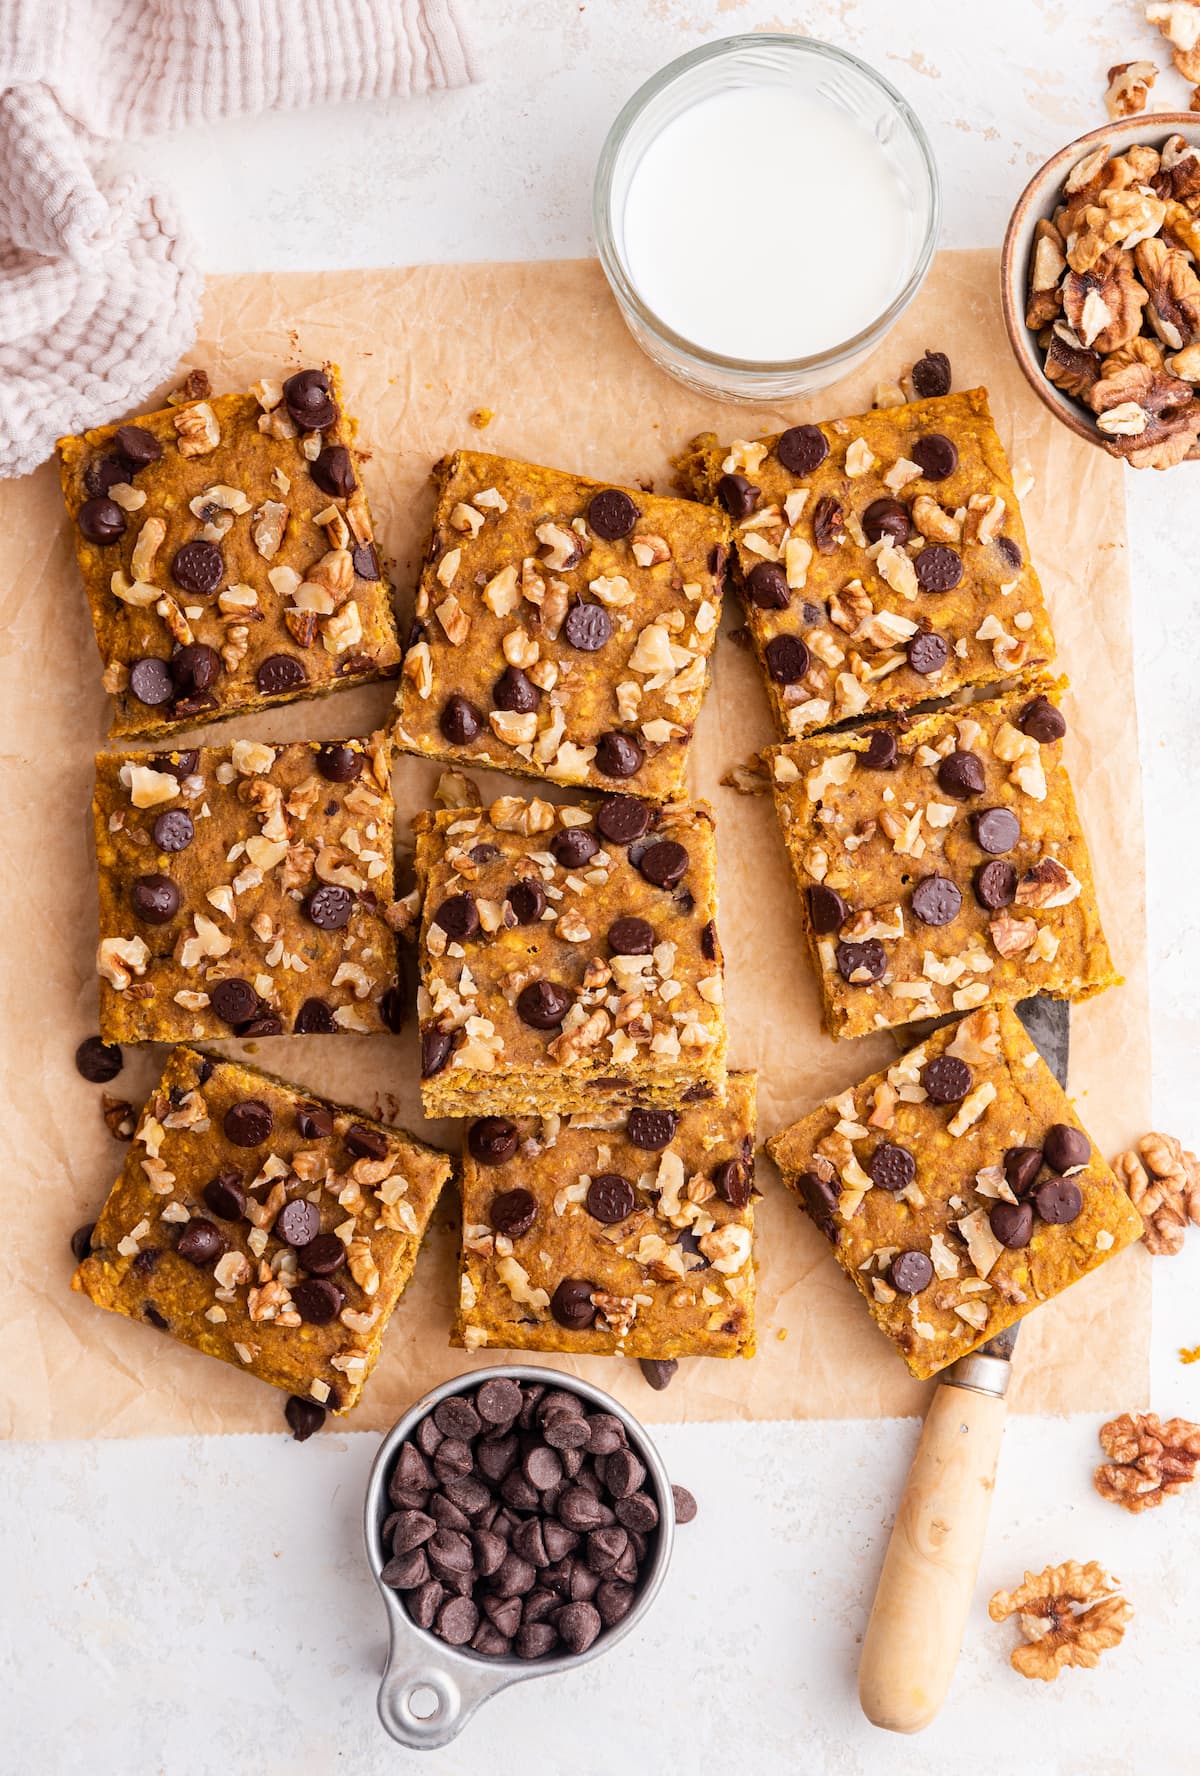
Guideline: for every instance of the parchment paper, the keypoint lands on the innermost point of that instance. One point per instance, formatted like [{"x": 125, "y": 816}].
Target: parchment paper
[{"x": 543, "y": 346}]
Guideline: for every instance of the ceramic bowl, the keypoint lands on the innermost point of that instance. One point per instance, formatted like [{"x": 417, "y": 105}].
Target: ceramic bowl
[
  {"x": 1039, "y": 199},
  {"x": 430, "y": 1690}
]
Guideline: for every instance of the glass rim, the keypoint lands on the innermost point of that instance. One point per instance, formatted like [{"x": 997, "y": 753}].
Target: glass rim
[{"x": 612, "y": 261}]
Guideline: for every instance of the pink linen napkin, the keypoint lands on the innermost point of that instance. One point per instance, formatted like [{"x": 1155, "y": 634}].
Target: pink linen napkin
[{"x": 99, "y": 285}]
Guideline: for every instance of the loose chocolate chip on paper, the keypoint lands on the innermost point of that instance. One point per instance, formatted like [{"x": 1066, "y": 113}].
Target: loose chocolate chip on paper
[
  {"x": 173, "y": 830},
  {"x": 513, "y": 1213},
  {"x": 767, "y": 587},
  {"x": 787, "y": 658},
  {"x": 660, "y": 1372},
  {"x": 946, "y": 1079},
  {"x": 685, "y": 1504},
  {"x": 861, "y": 963},
  {"x": 610, "y": 1198},
  {"x": 198, "y": 568},
  {"x": 101, "y": 521},
  {"x": 98, "y": 1061},
  {"x": 1012, "y": 1224},
  {"x": 573, "y": 847},
  {"x": 249, "y": 1123},
  {"x": 935, "y": 455},
  {"x": 826, "y": 909},
  {"x": 225, "y": 1197},
  {"x": 333, "y": 472},
  {"x": 1066, "y": 1147},
  {"x": 150, "y": 681},
  {"x": 927, "y": 652},
  {"x": 571, "y": 1304},
  {"x": 995, "y": 885},
  {"x": 458, "y": 917},
  {"x": 995, "y": 830},
  {"x": 460, "y": 721},
  {"x": 936, "y": 900},
  {"x": 938, "y": 568},
  {"x": 910, "y": 1272},
  {"x": 304, "y": 1417},
  {"x": 961, "y": 775},
  {"x": 544, "y": 1004},
  {"x": 587, "y": 627},
  {"x": 931, "y": 375},
  {"x": 315, "y": 1017},
  {"x": 887, "y": 518},
  {"x": 618, "y": 756},
  {"x": 612, "y": 514},
  {"x": 891, "y": 1166},
  {"x": 280, "y": 673},
  {"x": 492, "y": 1140},
  {"x": 623, "y": 819},
  {"x": 1058, "y": 1200},
  {"x": 801, "y": 449},
  {"x": 738, "y": 496}
]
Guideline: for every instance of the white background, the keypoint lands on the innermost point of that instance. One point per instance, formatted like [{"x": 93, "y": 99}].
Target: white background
[{"x": 202, "y": 1606}]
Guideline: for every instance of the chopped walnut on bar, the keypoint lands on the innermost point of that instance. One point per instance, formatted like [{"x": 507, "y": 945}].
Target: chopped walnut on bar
[{"x": 1069, "y": 1614}]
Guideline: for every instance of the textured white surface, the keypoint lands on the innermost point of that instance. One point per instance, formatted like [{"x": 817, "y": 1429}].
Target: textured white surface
[{"x": 203, "y": 1607}]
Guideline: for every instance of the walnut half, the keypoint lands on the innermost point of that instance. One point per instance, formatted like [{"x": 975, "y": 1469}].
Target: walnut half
[
  {"x": 1069, "y": 1614},
  {"x": 1147, "y": 1459},
  {"x": 1163, "y": 1181}
]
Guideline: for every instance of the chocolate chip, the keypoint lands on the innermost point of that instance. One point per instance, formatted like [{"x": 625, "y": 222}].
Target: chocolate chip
[
  {"x": 861, "y": 963},
  {"x": 365, "y": 561},
  {"x": 98, "y": 1061},
  {"x": 1021, "y": 1167},
  {"x": 709, "y": 947},
  {"x": 651, "y": 1130},
  {"x": 936, "y": 900},
  {"x": 801, "y": 449},
  {"x": 425, "y": 1603},
  {"x": 298, "y": 1222},
  {"x": 578, "y": 1625},
  {"x": 910, "y": 1272},
  {"x": 995, "y": 885},
  {"x": 339, "y": 763},
  {"x": 154, "y": 899},
  {"x": 234, "y": 1001},
  {"x": 534, "y": 1640},
  {"x": 1012, "y": 1224},
  {"x": 1011, "y": 551},
  {"x": 574, "y": 847},
  {"x": 631, "y": 937},
  {"x": 314, "y": 1121},
  {"x": 333, "y": 472},
  {"x": 931, "y": 375},
  {"x": 201, "y": 1243},
  {"x": 173, "y": 830},
  {"x": 304, "y": 1417},
  {"x": 544, "y": 1004},
  {"x": 587, "y": 627},
  {"x": 249, "y": 1123},
  {"x": 81, "y": 1241},
  {"x": 513, "y": 1213},
  {"x": 515, "y": 691},
  {"x": 882, "y": 752},
  {"x": 580, "y": 1509},
  {"x": 1058, "y": 1200},
  {"x": 1042, "y": 721},
  {"x": 787, "y": 659},
  {"x": 315, "y": 1017},
  {"x": 225, "y": 1197},
  {"x": 935, "y": 455},
  {"x": 309, "y": 401},
  {"x": 892, "y": 1167},
  {"x": 280, "y": 673},
  {"x": 946, "y": 1079},
  {"x": 612, "y": 514},
  {"x": 622, "y": 819},
  {"x": 198, "y": 568},
  {"x": 664, "y": 863},
  {"x": 456, "y": 1417},
  {"x": 733, "y": 1181},
  {"x": 610, "y": 1198},
  {"x": 659, "y": 1372},
  {"x": 995, "y": 830},
  {"x": 436, "y": 1049},
  {"x": 195, "y": 668},
  {"x": 492, "y": 1140},
  {"x": 323, "y": 1256},
  {"x": 101, "y": 521},
  {"x": 330, "y": 907},
  {"x": 606, "y": 1546},
  {"x": 927, "y": 652},
  {"x": 1066, "y": 1147},
  {"x": 738, "y": 496},
  {"x": 829, "y": 525},
  {"x": 767, "y": 587},
  {"x": 938, "y": 568},
  {"x": 105, "y": 472},
  {"x": 457, "y": 1620},
  {"x": 150, "y": 681},
  {"x": 624, "y": 1474},
  {"x": 542, "y": 1468},
  {"x": 685, "y": 1504},
  {"x": 614, "y": 1600},
  {"x": 188, "y": 709},
  {"x": 961, "y": 775},
  {"x": 152, "y": 1315},
  {"x": 317, "y": 1301},
  {"x": 571, "y": 1305},
  {"x": 366, "y": 1143},
  {"x": 139, "y": 447},
  {"x": 458, "y": 917},
  {"x": 618, "y": 756},
  {"x": 404, "y": 1572},
  {"x": 460, "y": 721},
  {"x": 887, "y": 518},
  {"x": 826, "y": 909},
  {"x": 527, "y": 900}
]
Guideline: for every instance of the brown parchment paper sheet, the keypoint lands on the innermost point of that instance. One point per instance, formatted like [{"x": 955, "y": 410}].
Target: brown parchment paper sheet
[{"x": 542, "y": 345}]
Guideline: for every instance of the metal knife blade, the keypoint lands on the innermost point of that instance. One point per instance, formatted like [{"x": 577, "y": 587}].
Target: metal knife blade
[{"x": 1048, "y": 1025}]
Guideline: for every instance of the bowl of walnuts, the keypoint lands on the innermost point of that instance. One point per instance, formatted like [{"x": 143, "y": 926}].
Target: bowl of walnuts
[{"x": 1101, "y": 291}]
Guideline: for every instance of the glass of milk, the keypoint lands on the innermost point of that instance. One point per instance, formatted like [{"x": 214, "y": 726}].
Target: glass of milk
[{"x": 765, "y": 208}]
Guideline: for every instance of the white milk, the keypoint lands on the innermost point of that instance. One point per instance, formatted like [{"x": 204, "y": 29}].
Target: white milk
[{"x": 766, "y": 224}]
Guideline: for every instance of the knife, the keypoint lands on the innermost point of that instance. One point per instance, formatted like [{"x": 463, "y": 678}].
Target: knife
[{"x": 916, "y": 1625}]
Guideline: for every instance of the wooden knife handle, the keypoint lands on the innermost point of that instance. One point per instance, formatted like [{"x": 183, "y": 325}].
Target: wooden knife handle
[{"x": 916, "y": 1627}]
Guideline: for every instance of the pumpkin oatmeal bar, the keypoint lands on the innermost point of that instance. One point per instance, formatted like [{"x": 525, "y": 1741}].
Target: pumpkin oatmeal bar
[
  {"x": 244, "y": 891},
  {"x": 941, "y": 864},
  {"x": 563, "y": 627},
  {"x": 957, "y": 1188},
  {"x": 568, "y": 956},
  {"x": 227, "y": 555},
  {"x": 626, "y": 1232},
  {"x": 882, "y": 560},
  {"x": 264, "y": 1226}
]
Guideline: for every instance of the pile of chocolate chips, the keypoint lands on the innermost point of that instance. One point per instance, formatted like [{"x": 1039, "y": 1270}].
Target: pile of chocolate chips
[{"x": 522, "y": 1521}]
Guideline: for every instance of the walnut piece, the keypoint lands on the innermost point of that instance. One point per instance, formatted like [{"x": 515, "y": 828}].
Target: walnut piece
[
  {"x": 1163, "y": 1181},
  {"x": 1129, "y": 86},
  {"x": 1104, "y": 306},
  {"x": 1147, "y": 1459},
  {"x": 1070, "y": 1614},
  {"x": 1179, "y": 22},
  {"x": 1153, "y": 419}
]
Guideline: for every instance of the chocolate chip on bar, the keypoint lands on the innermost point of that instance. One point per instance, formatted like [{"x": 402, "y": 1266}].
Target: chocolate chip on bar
[
  {"x": 957, "y": 1188},
  {"x": 537, "y": 1541}
]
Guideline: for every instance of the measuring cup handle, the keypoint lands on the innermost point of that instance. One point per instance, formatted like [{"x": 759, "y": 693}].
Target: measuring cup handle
[{"x": 451, "y": 1689}]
